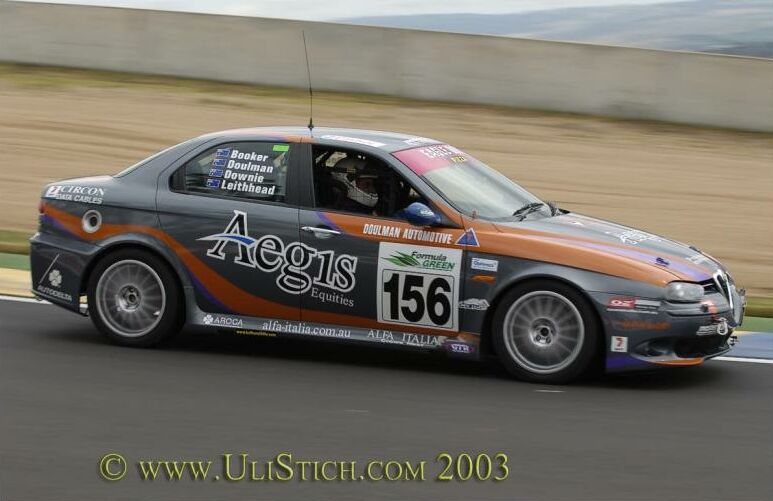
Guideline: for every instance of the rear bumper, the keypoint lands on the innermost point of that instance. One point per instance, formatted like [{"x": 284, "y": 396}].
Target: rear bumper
[{"x": 58, "y": 267}]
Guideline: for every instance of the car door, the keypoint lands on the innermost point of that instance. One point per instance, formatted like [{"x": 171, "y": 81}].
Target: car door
[
  {"x": 373, "y": 270},
  {"x": 229, "y": 212}
]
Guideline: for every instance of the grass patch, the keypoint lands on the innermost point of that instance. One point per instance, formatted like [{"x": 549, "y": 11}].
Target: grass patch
[
  {"x": 15, "y": 261},
  {"x": 759, "y": 307},
  {"x": 14, "y": 242},
  {"x": 757, "y": 324}
]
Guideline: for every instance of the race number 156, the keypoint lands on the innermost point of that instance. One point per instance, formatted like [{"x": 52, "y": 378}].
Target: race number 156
[{"x": 418, "y": 298}]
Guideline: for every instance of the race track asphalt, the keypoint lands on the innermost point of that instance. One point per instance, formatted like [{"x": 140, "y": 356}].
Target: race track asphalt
[{"x": 67, "y": 398}]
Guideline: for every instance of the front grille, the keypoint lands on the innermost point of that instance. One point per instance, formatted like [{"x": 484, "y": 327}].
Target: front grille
[
  {"x": 722, "y": 281},
  {"x": 710, "y": 287},
  {"x": 699, "y": 347}
]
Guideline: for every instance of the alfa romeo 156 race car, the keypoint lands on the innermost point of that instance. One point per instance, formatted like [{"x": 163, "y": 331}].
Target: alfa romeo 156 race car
[{"x": 373, "y": 237}]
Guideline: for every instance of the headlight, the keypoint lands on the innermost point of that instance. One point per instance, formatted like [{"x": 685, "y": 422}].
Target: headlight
[{"x": 684, "y": 292}]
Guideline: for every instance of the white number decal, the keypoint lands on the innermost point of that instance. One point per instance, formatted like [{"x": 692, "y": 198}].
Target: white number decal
[{"x": 419, "y": 285}]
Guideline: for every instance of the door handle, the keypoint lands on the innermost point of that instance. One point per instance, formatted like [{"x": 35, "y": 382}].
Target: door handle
[{"x": 320, "y": 231}]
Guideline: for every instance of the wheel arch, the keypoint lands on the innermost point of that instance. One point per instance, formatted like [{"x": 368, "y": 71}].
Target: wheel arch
[
  {"x": 486, "y": 345},
  {"x": 154, "y": 248}
]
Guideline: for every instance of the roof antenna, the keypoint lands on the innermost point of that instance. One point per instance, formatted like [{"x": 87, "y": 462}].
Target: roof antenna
[{"x": 311, "y": 93}]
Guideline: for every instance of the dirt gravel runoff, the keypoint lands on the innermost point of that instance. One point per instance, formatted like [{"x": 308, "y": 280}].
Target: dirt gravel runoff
[{"x": 711, "y": 188}]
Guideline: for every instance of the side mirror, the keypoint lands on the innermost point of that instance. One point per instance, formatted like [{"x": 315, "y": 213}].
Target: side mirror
[{"x": 419, "y": 214}]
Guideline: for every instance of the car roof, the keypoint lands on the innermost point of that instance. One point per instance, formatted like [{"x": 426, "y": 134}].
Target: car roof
[{"x": 333, "y": 136}]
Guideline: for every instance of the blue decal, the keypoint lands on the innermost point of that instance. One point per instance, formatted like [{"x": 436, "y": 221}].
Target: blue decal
[
  {"x": 223, "y": 153},
  {"x": 213, "y": 183},
  {"x": 248, "y": 241},
  {"x": 218, "y": 162},
  {"x": 215, "y": 172},
  {"x": 468, "y": 238}
]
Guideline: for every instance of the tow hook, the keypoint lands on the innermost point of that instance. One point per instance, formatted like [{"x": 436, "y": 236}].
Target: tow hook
[{"x": 732, "y": 340}]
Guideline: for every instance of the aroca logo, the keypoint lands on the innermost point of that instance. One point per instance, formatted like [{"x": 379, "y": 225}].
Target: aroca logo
[{"x": 222, "y": 321}]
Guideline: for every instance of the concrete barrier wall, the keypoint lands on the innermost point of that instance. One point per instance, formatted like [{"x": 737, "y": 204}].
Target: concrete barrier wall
[{"x": 723, "y": 91}]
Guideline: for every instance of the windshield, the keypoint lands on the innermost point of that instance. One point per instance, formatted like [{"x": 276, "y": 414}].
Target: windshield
[{"x": 469, "y": 185}]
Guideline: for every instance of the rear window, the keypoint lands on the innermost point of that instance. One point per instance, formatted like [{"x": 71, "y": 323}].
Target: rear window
[{"x": 248, "y": 170}]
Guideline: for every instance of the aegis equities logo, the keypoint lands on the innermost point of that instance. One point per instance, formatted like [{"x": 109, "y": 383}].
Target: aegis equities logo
[{"x": 269, "y": 254}]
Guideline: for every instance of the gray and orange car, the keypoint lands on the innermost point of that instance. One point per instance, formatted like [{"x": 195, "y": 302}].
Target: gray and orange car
[{"x": 373, "y": 237}]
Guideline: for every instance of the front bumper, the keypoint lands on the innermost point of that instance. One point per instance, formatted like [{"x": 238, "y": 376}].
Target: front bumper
[{"x": 642, "y": 334}]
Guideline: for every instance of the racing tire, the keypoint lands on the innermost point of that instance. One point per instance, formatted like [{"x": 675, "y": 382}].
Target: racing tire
[
  {"x": 545, "y": 332},
  {"x": 134, "y": 299}
]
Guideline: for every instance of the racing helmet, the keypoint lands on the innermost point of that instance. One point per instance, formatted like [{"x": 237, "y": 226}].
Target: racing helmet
[{"x": 360, "y": 181}]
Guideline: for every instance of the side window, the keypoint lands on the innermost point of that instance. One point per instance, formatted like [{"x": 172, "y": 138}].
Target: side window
[
  {"x": 351, "y": 181},
  {"x": 249, "y": 170}
]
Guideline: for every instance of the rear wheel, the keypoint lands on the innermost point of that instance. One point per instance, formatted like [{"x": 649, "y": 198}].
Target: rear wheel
[
  {"x": 134, "y": 299},
  {"x": 545, "y": 332}
]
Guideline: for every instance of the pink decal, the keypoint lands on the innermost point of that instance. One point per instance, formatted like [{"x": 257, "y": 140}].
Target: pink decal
[{"x": 428, "y": 158}]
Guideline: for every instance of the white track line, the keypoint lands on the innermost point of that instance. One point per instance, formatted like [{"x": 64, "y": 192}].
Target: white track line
[
  {"x": 722, "y": 359},
  {"x": 20, "y": 299},
  {"x": 748, "y": 360}
]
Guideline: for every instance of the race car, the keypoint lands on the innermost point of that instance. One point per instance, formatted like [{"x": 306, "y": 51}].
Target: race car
[{"x": 373, "y": 237}]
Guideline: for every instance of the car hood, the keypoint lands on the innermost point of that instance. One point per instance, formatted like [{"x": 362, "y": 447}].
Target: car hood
[{"x": 619, "y": 243}]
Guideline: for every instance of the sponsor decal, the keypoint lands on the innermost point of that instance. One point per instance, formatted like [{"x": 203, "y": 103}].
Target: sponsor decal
[
  {"x": 441, "y": 151},
  {"x": 633, "y": 305},
  {"x": 433, "y": 261},
  {"x": 405, "y": 338},
  {"x": 243, "y": 332},
  {"x": 243, "y": 171},
  {"x": 619, "y": 344},
  {"x": 303, "y": 328},
  {"x": 633, "y": 237},
  {"x": 55, "y": 278},
  {"x": 83, "y": 194},
  {"x": 622, "y": 303},
  {"x": 222, "y": 321},
  {"x": 331, "y": 297},
  {"x": 412, "y": 234},
  {"x": 698, "y": 259},
  {"x": 640, "y": 325},
  {"x": 54, "y": 293},
  {"x": 719, "y": 327},
  {"x": 461, "y": 348},
  {"x": 468, "y": 238},
  {"x": 662, "y": 262},
  {"x": 418, "y": 285},
  {"x": 355, "y": 140},
  {"x": 291, "y": 261},
  {"x": 418, "y": 141},
  {"x": 478, "y": 263},
  {"x": 474, "y": 304}
]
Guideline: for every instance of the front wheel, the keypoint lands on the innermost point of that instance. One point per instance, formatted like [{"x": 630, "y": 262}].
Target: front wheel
[
  {"x": 134, "y": 299},
  {"x": 545, "y": 332}
]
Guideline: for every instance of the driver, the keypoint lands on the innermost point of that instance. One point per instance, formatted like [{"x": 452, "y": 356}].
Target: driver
[{"x": 360, "y": 184}]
